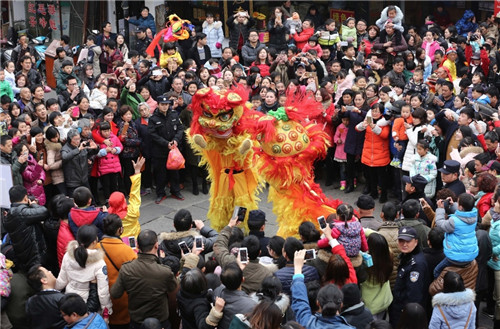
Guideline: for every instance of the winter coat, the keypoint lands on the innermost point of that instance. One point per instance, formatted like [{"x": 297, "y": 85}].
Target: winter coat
[
  {"x": 484, "y": 204},
  {"x": 43, "y": 310},
  {"x": 237, "y": 301},
  {"x": 130, "y": 213},
  {"x": 194, "y": 310},
  {"x": 194, "y": 54},
  {"x": 328, "y": 38},
  {"x": 277, "y": 35},
  {"x": 94, "y": 53},
  {"x": 398, "y": 43},
  {"x": 164, "y": 57},
  {"x": 302, "y": 310},
  {"x": 131, "y": 142},
  {"x": 6, "y": 89},
  {"x": 86, "y": 216},
  {"x": 426, "y": 167},
  {"x": 64, "y": 236},
  {"x": 414, "y": 134},
  {"x": 357, "y": 315},
  {"x": 131, "y": 99},
  {"x": 466, "y": 154},
  {"x": 76, "y": 279},
  {"x": 75, "y": 165},
  {"x": 350, "y": 35},
  {"x": 54, "y": 161},
  {"x": 340, "y": 134},
  {"x": 354, "y": 139},
  {"x": 376, "y": 151},
  {"x": 143, "y": 133},
  {"x": 397, "y": 21},
  {"x": 147, "y": 283},
  {"x": 109, "y": 163},
  {"x": 390, "y": 232},
  {"x": 460, "y": 242},
  {"x": 23, "y": 223},
  {"x": 263, "y": 68},
  {"x": 249, "y": 53},
  {"x": 164, "y": 129},
  {"x": 285, "y": 275},
  {"x": 432, "y": 47},
  {"x": 16, "y": 167},
  {"x": 170, "y": 240},
  {"x": 303, "y": 37},
  {"x": 236, "y": 30},
  {"x": 422, "y": 230},
  {"x": 215, "y": 34},
  {"x": 464, "y": 25},
  {"x": 116, "y": 253},
  {"x": 95, "y": 320},
  {"x": 158, "y": 88},
  {"x": 377, "y": 298},
  {"x": 31, "y": 175},
  {"x": 469, "y": 274},
  {"x": 454, "y": 310},
  {"x": 254, "y": 272},
  {"x": 148, "y": 22},
  {"x": 495, "y": 241}
]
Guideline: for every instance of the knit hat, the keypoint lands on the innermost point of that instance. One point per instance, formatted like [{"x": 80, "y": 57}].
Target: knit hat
[{"x": 352, "y": 296}]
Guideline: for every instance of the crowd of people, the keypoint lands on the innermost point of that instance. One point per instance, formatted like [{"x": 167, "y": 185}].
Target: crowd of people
[{"x": 412, "y": 114}]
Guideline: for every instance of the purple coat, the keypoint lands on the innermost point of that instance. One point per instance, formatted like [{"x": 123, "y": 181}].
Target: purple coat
[{"x": 31, "y": 175}]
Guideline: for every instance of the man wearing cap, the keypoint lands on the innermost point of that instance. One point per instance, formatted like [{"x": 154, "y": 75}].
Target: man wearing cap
[
  {"x": 166, "y": 131},
  {"x": 449, "y": 176},
  {"x": 411, "y": 210},
  {"x": 366, "y": 207},
  {"x": 412, "y": 281},
  {"x": 494, "y": 168},
  {"x": 415, "y": 189},
  {"x": 257, "y": 225},
  {"x": 142, "y": 42},
  {"x": 449, "y": 63},
  {"x": 475, "y": 65}
]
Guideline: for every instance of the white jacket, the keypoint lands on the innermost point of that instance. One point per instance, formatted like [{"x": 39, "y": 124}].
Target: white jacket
[
  {"x": 97, "y": 99},
  {"x": 411, "y": 147},
  {"x": 77, "y": 279}
]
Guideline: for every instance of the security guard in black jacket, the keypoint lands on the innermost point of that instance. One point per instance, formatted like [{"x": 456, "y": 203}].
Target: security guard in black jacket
[
  {"x": 412, "y": 282},
  {"x": 166, "y": 131}
]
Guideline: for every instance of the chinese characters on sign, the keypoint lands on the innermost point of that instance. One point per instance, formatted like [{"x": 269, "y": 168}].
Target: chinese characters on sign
[
  {"x": 339, "y": 15},
  {"x": 38, "y": 16}
]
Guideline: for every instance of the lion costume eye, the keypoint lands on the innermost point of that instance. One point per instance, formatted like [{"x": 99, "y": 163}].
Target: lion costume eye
[
  {"x": 226, "y": 116},
  {"x": 207, "y": 114}
]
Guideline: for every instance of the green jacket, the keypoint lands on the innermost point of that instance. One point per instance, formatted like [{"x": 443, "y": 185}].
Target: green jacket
[
  {"x": 61, "y": 81},
  {"x": 6, "y": 89},
  {"x": 377, "y": 298},
  {"x": 132, "y": 100}
]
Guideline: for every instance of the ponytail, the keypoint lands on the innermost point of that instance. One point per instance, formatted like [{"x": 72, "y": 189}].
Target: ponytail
[
  {"x": 86, "y": 235},
  {"x": 330, "y": 299},
  {"x": 345, "y": 213}
]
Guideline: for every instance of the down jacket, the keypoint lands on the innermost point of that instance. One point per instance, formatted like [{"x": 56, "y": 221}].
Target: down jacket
[
  {"x": 376, "y": 151},
  {"x": 426, "y": 167},
  {"x": 457, "y": 307},
  {"x": 31, "y": 175},
  {"x": 108, "y": 162},
  {"x": 148, "y": 22},
  {"x": 414, "y": 134},
  {"x": 23, "y": 223},
  {"x": 76, "y": 279},
  {"x": 64, "y": 236},
  {"x": 236, "y": 29},
  {"x": 54, "y": 161},
  {"x": 170, "y": 240},
  {"x": 117, "y": 253},
  {"x": 215, "y": 35},
  {"x": 495, "y": 240},
  {"x": 75, "y": 165},
  {"x": 131, "y": 142}
]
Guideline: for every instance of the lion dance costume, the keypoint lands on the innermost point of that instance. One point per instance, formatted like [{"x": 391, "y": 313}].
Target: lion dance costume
[
  {"x": 175, "y": 29},
  {"x": 243, "y": 147}
]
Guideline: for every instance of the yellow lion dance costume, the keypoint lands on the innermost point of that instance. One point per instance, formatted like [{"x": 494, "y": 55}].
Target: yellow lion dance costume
[{"x": 220, "y": 133}]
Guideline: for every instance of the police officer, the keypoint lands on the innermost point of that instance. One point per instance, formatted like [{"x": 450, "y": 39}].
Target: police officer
[
  {"x": 166, "y": 132},
  {"x": 142, "y": 42},
  {"x": 412, "y": 282}
]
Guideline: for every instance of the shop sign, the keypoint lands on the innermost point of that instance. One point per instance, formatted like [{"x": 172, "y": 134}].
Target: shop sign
[{"x": 41, "y": 15}]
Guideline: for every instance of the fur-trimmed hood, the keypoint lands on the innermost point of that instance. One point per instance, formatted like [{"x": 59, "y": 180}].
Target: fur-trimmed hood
[
  {"x": 51, "y": 146},
  {"x": 282, "y": 301},
  {"x": 95, "y": 255},
  {"x": 471, "y": 149},
  {"x": 214, "y": 25},
  {"x": 169, "y": 236},
  {"x": 454, "y": 298}
]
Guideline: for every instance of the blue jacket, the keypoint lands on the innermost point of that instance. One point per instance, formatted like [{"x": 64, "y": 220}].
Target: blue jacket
[
  {"x": 145, "y": 22},
  {"x": 96, "y": 322},
  {"x": 285, "y": 275},
  {"x": 214, "y": 34},
  {"x": 458, "y": 309},
  {"x": 460, "y": 242},
  {"x": 495, "y": 242},
  {"x": 302, "y": 310}
]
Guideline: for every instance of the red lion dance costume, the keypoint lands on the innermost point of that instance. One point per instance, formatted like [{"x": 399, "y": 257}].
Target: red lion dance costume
[{"x": 237, "y": 142}]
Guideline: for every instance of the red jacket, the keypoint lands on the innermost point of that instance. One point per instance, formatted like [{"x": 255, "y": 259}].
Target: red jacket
[
  {"x": 484, "y": 204},
  {"x": 339, "y": 250},
  {"x": 264, "y": 69},
  {"x": 64, "y": 236},
  {"x": 302, "y": 37}
]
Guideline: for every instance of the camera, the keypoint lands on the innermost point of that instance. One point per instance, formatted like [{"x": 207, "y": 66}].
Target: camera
[{"x": 473, "y": 37}]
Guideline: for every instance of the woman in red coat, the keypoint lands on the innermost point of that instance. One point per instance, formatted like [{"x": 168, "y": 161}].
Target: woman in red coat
[
  {"x": 64, "y": 236},
  {"x": 486, "y": 184},
  {"x": 262, "y": 62},
  {"x": 376, "y": 153},
  {"x": 302, "y": 37}
]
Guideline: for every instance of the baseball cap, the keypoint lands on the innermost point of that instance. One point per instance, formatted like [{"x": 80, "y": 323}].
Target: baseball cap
[
  {"x": 418, "y": 181},
  {"x": 494, "y": 165},
  {"x": 407, "y": 233},
  {"x": 365, "y": 202},
  {"x": 256, "y": 218},
  {"x": 450, "y": 167},
  {"x": 163, "y": 100},
  {"x": 140, "y": 29}
]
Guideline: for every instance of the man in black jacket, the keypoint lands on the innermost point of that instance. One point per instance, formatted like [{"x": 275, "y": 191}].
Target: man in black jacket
[
  {"x": 166, "y": 132},
  {"x": 24, "y": 225},
  {"x": 200, "y": 52},
  {"x": 43, "y": 307}
]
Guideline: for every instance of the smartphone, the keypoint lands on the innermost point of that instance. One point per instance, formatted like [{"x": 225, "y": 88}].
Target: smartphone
[
  {"x": 369, "y": 120},
  {"x": 239, "y": 212},
  {"x": 350, "y": 107},
  {"x": 131, "y": 242},
  {"x": 310, "y": 254},
  {"x": 243, "y": 255},
  {"x": 183, "y": 246},
  {"x": 198, "y": 242},
  {"x": 322, "y": 222},
  {"x": 343, "y": 43}
]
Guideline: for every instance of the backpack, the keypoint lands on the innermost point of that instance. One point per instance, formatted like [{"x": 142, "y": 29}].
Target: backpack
[{"x": 350, "y": 237}]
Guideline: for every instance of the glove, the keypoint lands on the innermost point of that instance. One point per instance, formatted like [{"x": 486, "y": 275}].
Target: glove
[{"x": 218, "y": 45}]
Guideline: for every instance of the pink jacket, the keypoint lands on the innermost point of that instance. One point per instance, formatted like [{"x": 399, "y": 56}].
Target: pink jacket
[
  {"x": 31, "y": 175},
  {"x": 341, "y": 134},
  {"x": 317, "y": 48},
  {"x": 432, "y": 48},
  {"x": 109, "y": 163}
]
